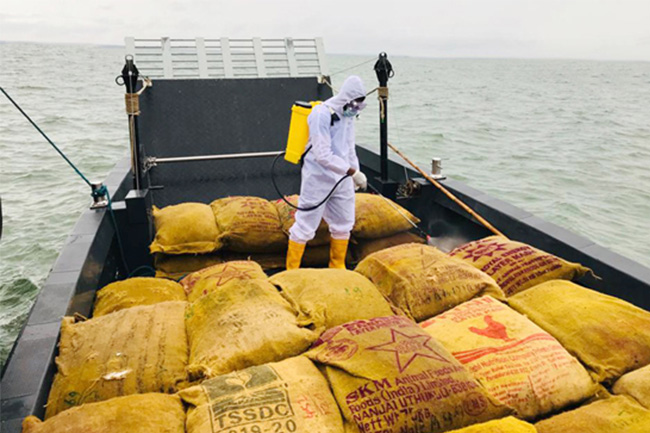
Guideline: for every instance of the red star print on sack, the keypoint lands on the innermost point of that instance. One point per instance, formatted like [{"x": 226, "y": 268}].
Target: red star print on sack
[{"x": 407, "y": 348}]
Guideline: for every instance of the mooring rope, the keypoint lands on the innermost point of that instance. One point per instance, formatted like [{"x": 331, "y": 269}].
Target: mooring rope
[
  {"x": 74, "y": 167},
  {"x": 374, "y": 59},
  {"x": 98, "y": 192}
]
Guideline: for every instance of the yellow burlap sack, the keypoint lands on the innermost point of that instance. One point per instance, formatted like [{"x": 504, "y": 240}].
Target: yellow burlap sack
[
  {"x": 209, "y": 279},
  {"x": 376, "y": 218},
  {"x": 636, "y": 385},
  {"x": 388, "y": 375},
  {"x": 516, "y": 266},
  {"x": 613, "y": 415},
  {"x": 314, "y": 257},
  {"x": 249, "y": 224},
  {"x": 364, "y": 247},
  {"x": 143, "y": 413},
  {"x": 424, "y": 281},
  {"x": 516, "y": 361},
  {"x": 609, "y": 336},
  {"x": 177, "y": 266},
  {"x": 331, "y": 297},
  {"x": 133, "y": 351},
  {"x": 287, "y": 218},
  {"x": 186, "y": 228},
  {"x": 505, "y": 425},
  {"x": 134, "y": 292},
  {"x": 288, "y": 396},
  {"x": 242, "y": 325},
  {"x": 268, "y": 261}
]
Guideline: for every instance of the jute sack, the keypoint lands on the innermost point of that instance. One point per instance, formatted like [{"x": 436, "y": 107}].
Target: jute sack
[
  {"x": 186, "y": 228},
  {"x": 609, "y": 336},
  {"x": 376, "y": 218},
  {"x": 268, "y": 261},
  {"x": 364, "y": 247},
  {"x": 206, "y": 280},
  {"x": 516, "y": 266},
  {"x": 331, "y": 297},
  {"x": 636, "y": 385},
  {"x": 134, "y": 292},
  {"x": 505, "y": 425},
  {"x": 613, "y": 415},
  {"x": 424, "y": 281},
  {"x": 175, "y": 267},
  {"x": 314, "y": 257},
  {"x": 141, "y": 413},
  {"x": 516, "y": 361},
  {"x": 249, "y": 224},
  {"x": 242, "y": 325},
  {"x": 133, "y": 351},
  {"x": 288, "y": 217},
  {"x": 388, "y": 375},
  {"x": 288, "y": 396}
]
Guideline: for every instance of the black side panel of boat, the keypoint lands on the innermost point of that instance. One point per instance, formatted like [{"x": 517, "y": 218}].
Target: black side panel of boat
[
  {"x": 203, "y": 117},
  {"x": 87, "y": 261}
]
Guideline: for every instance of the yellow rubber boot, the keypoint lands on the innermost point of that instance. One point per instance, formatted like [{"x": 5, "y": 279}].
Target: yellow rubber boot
[
  {"x": 294, "y": 254},
  {"x": 338, "y": 251}
]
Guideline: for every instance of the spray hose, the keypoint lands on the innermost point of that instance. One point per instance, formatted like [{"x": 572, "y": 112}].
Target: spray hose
[{"x": 306, "y": 209}]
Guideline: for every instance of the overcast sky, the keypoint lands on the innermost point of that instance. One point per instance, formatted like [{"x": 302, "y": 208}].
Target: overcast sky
[{"x": 592, "y": 29}]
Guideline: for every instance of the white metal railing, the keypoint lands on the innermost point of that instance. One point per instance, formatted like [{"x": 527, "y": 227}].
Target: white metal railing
[{"x": 228, "y": 58}]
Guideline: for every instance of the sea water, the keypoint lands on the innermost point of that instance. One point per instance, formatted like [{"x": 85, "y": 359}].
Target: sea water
[{"x": 567, "y": 140}]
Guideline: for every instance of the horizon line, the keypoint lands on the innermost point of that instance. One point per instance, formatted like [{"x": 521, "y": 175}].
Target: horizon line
[{"x": 89, "y": 44}]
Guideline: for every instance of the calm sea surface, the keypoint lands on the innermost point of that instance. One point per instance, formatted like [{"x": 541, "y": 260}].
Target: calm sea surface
[{"x": 566, "y": 140}]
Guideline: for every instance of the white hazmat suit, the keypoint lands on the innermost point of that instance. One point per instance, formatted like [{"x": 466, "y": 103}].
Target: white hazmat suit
[{"x": 331, "y": 155}]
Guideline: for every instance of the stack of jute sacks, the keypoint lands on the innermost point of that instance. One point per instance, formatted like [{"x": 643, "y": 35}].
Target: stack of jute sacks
[
  {"x": 560, "y": 355},
  {"x": 229, "y": 349},
  {"x": 492, "y": 337},
  {"x": 192, "y": 236}
]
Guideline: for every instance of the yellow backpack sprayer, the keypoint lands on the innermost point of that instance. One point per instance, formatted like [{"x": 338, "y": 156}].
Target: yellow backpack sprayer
[{"x": 298, "y": 130}]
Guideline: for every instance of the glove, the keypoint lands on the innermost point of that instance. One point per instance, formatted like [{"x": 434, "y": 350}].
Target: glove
[{"x": 360, "y": 181}]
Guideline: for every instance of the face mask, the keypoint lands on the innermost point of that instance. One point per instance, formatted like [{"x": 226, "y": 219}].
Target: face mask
[{"x": 350, "y": 112}]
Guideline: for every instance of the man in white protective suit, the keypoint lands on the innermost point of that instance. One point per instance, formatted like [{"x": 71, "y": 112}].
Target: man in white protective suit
[{"x": 332, "y": 156}]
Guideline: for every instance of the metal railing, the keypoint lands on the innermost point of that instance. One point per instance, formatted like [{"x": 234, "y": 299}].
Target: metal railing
[
  {"x": 153, "y": 161},
  {"x": 228, "y": 58}
]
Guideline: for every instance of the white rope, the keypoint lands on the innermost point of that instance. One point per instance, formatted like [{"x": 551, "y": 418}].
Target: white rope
[{"x": 355, "y": 66}]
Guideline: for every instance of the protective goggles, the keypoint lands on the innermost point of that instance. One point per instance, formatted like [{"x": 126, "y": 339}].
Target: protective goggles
[{"x": 355, "y": 104}]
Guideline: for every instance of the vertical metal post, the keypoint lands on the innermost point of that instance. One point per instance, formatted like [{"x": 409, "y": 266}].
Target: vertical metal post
[
  {"x": 130, "y": 76},
  {"x": 384, "y": 71},
  {"x": 168, "y": 65},
  {"x": 226, "y": 57},
  {"x": 201, "y": 58},
  {"x": 259, "y": 57}
]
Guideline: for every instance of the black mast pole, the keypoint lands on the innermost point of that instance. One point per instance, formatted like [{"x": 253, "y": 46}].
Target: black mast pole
[
  {"x": 130, "y": 75},
  {"x": 384, "y": 71}
]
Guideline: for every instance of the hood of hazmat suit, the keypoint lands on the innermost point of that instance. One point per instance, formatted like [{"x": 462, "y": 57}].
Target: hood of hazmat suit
[
  {"x": 352, "y": 89},
  {"x": 331, "y": 155}
]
